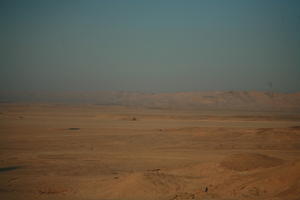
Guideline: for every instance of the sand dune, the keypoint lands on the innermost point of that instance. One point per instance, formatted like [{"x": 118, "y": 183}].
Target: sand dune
[
  {"x": 249, "y": 161},
  {"x": 271, "y": 179},
  {"x": 241, "y": 100}
]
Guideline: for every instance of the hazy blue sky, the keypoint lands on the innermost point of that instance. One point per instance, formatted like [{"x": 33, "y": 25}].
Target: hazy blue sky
[{"x": 152, "y": 46}]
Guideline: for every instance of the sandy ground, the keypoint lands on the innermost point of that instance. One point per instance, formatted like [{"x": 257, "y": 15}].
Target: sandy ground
[{"x": 109, "y": 153}]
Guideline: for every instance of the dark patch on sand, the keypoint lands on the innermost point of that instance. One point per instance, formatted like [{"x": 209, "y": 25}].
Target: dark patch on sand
[
  {"x": 11, "y": 168},
  {"x": 73, "y": 129}
]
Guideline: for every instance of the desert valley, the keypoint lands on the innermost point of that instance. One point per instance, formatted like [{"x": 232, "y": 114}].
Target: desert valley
[
  {"x": 149, "y": 100},
  {"x": 138, "y": 152}
]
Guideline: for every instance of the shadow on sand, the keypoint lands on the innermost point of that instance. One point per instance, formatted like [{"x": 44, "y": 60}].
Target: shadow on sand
[{"x": 11, "y": 168}]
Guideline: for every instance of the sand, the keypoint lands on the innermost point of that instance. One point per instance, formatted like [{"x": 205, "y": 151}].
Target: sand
[{"x": 57, "y": 151}]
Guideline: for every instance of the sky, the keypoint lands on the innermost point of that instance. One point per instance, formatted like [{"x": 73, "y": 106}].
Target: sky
[{"x": 150, "y": 45}]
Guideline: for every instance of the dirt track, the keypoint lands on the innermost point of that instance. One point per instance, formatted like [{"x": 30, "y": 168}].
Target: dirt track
[{"x": 101, "y": 152}]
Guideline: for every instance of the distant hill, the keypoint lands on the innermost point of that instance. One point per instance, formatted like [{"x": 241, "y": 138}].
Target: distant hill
[{"x": 240, "y": 100}]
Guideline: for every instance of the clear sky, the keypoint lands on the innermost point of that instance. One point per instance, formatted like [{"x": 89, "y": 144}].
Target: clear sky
[{"x": 150, "y": 46}]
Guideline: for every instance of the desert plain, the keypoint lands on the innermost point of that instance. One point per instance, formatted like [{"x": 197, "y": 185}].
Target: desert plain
[{"x": 96, "y": 152}]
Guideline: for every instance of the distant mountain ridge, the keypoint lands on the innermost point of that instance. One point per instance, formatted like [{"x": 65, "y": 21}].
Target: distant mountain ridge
[{"x": 241, "y": 100}]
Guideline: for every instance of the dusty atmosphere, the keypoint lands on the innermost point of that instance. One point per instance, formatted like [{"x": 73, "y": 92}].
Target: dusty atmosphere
[
  {"x": 59, "y": 151},
  {"x": 150, "y": 100}
]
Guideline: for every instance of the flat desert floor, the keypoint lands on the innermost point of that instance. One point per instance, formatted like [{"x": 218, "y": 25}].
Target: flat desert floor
[{"x": 94, "y": 152}]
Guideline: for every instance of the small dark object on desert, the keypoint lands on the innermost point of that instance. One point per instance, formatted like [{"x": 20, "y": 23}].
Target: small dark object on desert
[{"x": 74, "y": 129}]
